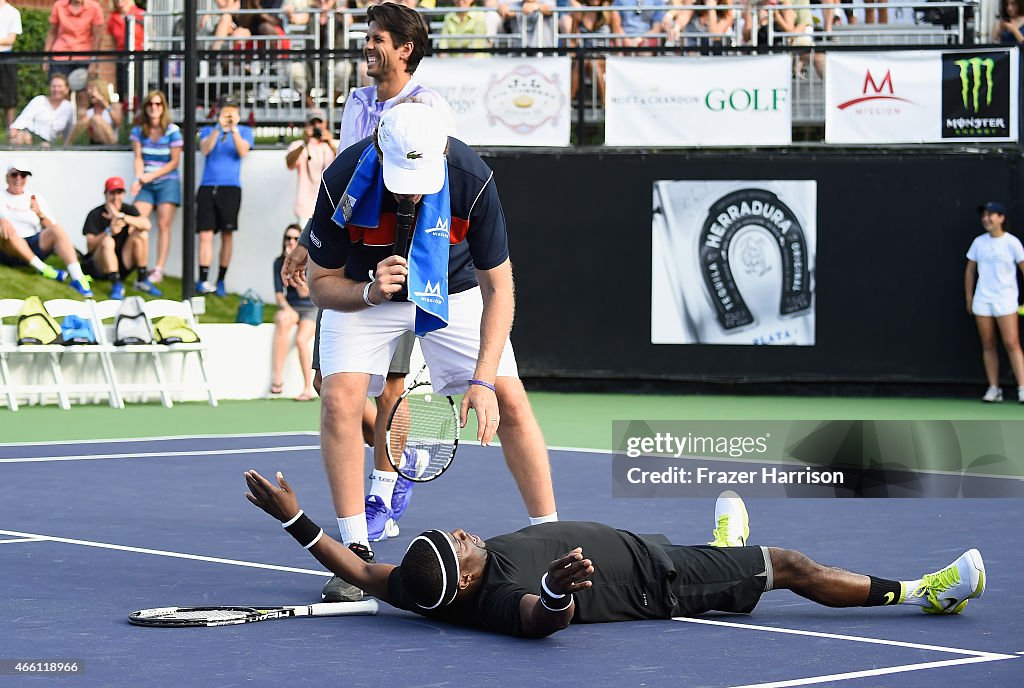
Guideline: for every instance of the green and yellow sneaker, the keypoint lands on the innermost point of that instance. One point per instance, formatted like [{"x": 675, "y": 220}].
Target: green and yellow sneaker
[
  {"x": 947, "y": 591},
  {"x": 732, "y": 525}
]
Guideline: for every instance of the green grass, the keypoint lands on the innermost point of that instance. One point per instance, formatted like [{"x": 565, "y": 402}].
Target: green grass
[{"x": 21, "y": 282}]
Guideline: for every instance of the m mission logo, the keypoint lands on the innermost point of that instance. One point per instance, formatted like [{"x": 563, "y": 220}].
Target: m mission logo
[
  {"x": 976, "y": 95},
  {"x": 877, "y": 97}
]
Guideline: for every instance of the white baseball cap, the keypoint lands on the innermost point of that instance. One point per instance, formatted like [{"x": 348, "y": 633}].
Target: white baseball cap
[
  {"x": 19, "y": 165},
  {"x": 413, "y": 138}
]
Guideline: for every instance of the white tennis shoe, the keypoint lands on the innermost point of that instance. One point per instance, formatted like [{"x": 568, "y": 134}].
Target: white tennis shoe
[
  {"x": 948, "y": 590},
  {"x": 732, "y": 525}
]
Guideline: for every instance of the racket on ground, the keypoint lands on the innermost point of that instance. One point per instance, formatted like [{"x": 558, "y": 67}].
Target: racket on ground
[
  {"x": 180, "y": 617},
  {"x": 423, "y": 432}
]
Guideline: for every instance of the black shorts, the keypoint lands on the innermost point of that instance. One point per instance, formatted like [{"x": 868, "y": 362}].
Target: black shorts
[
  {"x": 88, "y": 262},
  {"x": 400, "y": 362},
  {"x": 217, "y": 208},
  {"x": 726, "y": 579},
  {"x": 8, "y": 85}
]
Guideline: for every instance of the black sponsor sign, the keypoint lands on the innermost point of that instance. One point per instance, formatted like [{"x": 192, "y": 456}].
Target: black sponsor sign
[{"x": 976, "y": 95}]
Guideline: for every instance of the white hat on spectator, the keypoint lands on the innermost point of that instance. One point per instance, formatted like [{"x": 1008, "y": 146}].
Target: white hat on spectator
[
  {"x": 19, "y": 165},
  {"x": 413, "y": 138}
]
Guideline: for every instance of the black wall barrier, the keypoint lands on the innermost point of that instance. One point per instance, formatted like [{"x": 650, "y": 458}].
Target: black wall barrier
[{"x": 892, "y": 231}]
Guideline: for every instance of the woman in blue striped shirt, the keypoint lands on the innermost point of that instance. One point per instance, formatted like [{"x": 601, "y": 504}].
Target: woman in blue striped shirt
[{"x": 157, "y": 144}]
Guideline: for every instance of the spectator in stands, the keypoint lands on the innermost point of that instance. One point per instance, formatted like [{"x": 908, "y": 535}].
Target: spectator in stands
[
  {"x": 29, "y": 235},
  {"x": 883, "y": 12},
  {"x": 633, "y": 24},
  {"x": 220, "y": 191},
  {"x": 599, "y": 26},
  {"x": 532, "y": 20},
  {"x": 803, "y": 26},
  {"x": 777, "y": 13},
  {"x": 117, "y": 241},
  {"x": 228, "y": 24},
  {"x": 46, "y": 119},
  {"x": 157, "y": 143},
  {"x": 309, "y": 157},
  {"x": 10, "y": 29},
  {"x": 317, "y": 23},
  {"x": 295, "y": 310},
  {"x": 465, "y": 23},
  {"x": 75, "y": 26},
  {"x": 1009, "y": 30},
  {"x": 103, "y": 119},
  {"x": 118, "y": 29},
  {"x": 701, "y": 28}
]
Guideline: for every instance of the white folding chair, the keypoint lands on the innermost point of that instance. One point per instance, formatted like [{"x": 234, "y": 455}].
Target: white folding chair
[
  {"x": 60, "y": 308},
  {"x": 9, "y": 346},
  {"x": 158, "y": 308},
  {"x": 107, "y": 310}
]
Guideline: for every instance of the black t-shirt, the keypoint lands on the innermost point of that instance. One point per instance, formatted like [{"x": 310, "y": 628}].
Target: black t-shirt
[
  {"x": 477, "y": 229},
  {"x": 631, "y": 577},
  {"x": 95, "y": 223},
  {"x": 291, "y": 294}
]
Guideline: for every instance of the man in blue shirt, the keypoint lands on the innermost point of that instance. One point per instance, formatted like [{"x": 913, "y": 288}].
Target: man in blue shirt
[
  {"x": 220, "y": 193},
  {"x": 634, "y": 21}
]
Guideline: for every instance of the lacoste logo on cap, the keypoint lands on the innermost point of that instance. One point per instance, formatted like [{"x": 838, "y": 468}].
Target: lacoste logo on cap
[{"x": 413, "y": 155}]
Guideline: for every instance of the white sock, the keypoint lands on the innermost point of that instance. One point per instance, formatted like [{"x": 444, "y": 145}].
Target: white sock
[
  {"x": 37, "y": 264},
  {"x": 550, "y": 518},
  {"x": 909, "y": 587},
  {"x": 75, "y": 270},
  {"x": 353, "y": 529},
  {"x": 382, "y": 484}
]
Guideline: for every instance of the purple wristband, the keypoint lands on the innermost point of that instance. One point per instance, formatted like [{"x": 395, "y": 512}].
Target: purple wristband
[{"x": 488, "y": 385}]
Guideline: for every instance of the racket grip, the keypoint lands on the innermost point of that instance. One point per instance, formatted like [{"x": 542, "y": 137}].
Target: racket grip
[{"x": 368, "y": 606}]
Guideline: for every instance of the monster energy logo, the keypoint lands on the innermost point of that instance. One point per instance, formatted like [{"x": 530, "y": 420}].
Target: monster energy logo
[{"x": 967, "y": 78}]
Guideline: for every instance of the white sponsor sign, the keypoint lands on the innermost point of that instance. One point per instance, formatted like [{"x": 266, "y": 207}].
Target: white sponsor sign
[
  {"x": 884, "y": 97},
  {"x": 504, "y": 101},
  {"x": 733, "y": 262},
  {"x": 698, "y": 101}
]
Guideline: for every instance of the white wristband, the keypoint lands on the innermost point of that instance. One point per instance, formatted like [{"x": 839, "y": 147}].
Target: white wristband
[
  {"x": 366, "y": 295},
  {"x": 293, "y": 519},
  {"x": 544, "y": 586}
]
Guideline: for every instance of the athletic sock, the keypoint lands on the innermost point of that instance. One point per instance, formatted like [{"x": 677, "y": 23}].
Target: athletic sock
[
  {"x": 550, "y": 518},
  {"x": 143, "y": 273},
  {"x": 884, "y": 592},
  {"x": 40, "y": 265},
  {"x": 113, "y": 277},
  {"x": 917, "y": 600},
  {"x": 221, "y": 273},
  {"x": 353, "y": 529},
  {"x": 204, "y": 273},
  {"x": 75, "y": 270},
  {"x": 382, "y": 484}
]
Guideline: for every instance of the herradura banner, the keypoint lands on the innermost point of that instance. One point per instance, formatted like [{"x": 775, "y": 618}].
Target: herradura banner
[
  {"x": 698, "y": 101},
  {"x": 504, "y": 101},
  {"x": 922, "y": 96}
]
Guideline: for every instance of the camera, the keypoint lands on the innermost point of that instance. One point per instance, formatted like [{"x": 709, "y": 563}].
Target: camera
[{"x": 318, "y": 133}]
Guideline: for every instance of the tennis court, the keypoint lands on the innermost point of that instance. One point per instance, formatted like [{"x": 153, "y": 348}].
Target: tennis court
[{"x": 91, "y": 529}]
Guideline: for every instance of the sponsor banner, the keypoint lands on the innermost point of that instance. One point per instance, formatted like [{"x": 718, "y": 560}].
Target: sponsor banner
[
  {"x": 921, "y": 96},
  {"x": 836, "y": 458},
  {"x": 696, "y": 101},
  {"x": 733, "y": 262},
  {"x": 502, "y": 101},
  {"x": 979, "y": 95}
]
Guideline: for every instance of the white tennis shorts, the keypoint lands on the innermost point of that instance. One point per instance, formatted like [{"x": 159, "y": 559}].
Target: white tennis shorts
[
  {"x": 994, "y": 309},
  {"x": 365, "y": 341}
]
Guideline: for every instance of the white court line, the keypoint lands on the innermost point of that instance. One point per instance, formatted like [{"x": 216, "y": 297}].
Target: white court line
[
  {"x": 163, "y": 553},
  {"x": 975, "y": 656},
  {"x": 119, "y": 440},
  {"x": 150, "y": 455},
  {"x": 24, "y": 539}
]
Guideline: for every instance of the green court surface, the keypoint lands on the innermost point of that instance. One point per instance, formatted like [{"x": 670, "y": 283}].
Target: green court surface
[{"x": 568, "y": 420}]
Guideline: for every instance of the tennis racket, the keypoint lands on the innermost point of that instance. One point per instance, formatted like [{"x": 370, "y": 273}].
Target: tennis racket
[
  {"x": 180, "y": 617},
  {"x": 423, "y": 432}
]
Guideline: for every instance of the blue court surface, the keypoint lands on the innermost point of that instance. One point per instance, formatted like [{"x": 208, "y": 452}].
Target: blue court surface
[{"x": 91, "y": 531}]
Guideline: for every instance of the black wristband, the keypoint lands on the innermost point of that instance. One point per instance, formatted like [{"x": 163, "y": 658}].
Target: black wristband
[
  {"x": 550, "y": 601},
  {"x": 302, "y": 528}
]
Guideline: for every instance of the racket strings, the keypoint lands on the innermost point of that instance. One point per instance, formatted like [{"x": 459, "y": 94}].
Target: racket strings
[
  {"x": 429, "y": 431},
  {"x": 207, "y": 615}
]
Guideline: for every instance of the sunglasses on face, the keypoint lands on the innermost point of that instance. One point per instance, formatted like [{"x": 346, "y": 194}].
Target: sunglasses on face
[
  {"x": 291, "y": 238},
  {"x": 154, "y": 103},
  {"x": 18, "y": 175}
]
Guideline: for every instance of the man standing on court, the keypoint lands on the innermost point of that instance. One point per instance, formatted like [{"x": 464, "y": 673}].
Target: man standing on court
[
  {"x": 220, "y": 193},
  {"x": 396, "y": 41},
  {"x": 459, "y": 300}
]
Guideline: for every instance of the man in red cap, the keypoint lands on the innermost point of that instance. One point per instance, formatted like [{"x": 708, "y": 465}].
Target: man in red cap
[{"x": 117, "y": 237}]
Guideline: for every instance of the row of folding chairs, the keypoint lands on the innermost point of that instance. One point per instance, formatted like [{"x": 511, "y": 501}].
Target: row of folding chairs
[{"x": 148, "y": 358}]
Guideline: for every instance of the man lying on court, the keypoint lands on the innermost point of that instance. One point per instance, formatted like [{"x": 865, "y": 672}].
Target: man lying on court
[{"x": 542, "y": 578}]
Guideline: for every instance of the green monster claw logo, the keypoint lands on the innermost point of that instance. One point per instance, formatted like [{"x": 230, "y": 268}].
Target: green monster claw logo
[
  {"x": 413, "y": 155},
  {"x": 976, "y": 64}
]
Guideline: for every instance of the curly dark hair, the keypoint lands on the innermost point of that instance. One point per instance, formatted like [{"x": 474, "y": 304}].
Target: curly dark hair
[
  {"x": 405, "y": 26},
  {"x": 421, "y": 574}
]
